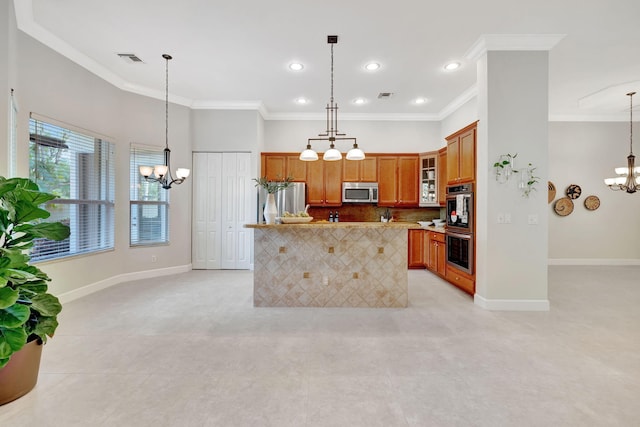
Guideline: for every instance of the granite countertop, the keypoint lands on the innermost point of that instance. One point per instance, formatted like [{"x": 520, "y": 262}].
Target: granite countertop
[
  {"x": 344, "y": 224},
  {"x": 434, "y": 228}
]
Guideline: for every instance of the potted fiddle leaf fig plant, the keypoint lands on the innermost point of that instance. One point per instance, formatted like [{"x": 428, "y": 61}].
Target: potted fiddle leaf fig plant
[{"x": 28, "y": 313}]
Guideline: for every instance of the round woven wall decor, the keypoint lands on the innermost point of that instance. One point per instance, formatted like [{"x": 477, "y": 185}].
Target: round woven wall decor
[
  {"x": 592, "y": 203},
  {"x": 552, "y": 192},
  {"x": 563, "y": 206},
  {"x": 574, "y": 191}
]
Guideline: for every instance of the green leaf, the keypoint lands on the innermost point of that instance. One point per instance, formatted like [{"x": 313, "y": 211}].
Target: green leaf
[
  {"x": 8, "y": 297},
  {"x": 27, "y": 211},
  {"x": 47, "y": 230},
  {"x": 46, "y": 326},
  {"x": 3, "y": 362},
  {"x": 14, "y": 316},
  {"x": 46, "y": 304},
  {"x": 11, "y": 340}
]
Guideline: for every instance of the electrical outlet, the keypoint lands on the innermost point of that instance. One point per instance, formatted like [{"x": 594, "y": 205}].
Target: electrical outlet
[
  {"x": 500, "y": 218},
  {"x": 532, "y": 219},
  {"x": 507, "y": 218},
  {"x": 154, "y": 258}
]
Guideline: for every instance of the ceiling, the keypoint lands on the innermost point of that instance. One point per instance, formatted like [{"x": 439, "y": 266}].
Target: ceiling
[{"x": 235, "y": 54}]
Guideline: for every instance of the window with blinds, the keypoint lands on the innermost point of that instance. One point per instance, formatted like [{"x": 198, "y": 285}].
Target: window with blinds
[
  {"x": 79, "y": 169},
  {"x": 149, "y": 202}
]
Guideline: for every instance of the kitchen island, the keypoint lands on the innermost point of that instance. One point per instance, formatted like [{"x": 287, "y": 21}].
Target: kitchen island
[{"x": 323, "y": 264}]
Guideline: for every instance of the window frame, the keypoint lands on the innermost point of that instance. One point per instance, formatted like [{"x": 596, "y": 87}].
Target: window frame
[
  {"x": 91, "y": 218},
  {"x": 162, "y": 202}
]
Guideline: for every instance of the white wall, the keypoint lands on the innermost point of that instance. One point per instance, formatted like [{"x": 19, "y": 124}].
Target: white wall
[
  {"x": 512, "y": 258},
  {"x": 372, "y": 136},
  {"x": 585, "y": 153},
  {"x": 463, "y": 116},
  {"x": 51, "y": 85}
]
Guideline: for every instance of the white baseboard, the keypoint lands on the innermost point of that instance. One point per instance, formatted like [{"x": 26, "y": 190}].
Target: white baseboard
[
  {"x": 121, "y": 278},
  {"x": 511, "y": 304},
  {"x": 593, "y": 261}
]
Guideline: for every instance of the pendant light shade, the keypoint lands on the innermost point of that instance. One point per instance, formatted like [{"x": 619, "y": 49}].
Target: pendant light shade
[
  {"x": 308, "y": 155},
  {"x": 332, "y": 134},
  {"x": 162, "y": 173},
  {"x": 628, "y": 178},
  {"x": 355, "y": 153},
  {"x": 332, "y": 154}
]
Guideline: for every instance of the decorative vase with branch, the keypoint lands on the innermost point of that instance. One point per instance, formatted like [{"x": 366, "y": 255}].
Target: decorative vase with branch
[{"x": 272, "y": 187}]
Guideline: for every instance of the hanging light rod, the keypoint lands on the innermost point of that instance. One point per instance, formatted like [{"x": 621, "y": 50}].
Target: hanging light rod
[
  {"x": 162, "y": 173},
  {"x": 332, "y": 134},
  {"x": 628, "y": 178}
]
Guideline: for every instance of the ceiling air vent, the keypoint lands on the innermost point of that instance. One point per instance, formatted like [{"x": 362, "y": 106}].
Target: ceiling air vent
[
  {"x": 129, "y": 57},
  {"x": 385, "y": 95}
]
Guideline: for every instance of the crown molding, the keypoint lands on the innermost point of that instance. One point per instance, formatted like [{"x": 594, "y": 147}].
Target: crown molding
[
  {"x": 520, "y": 42},
  {"x": 25, "y": 23},
  {"x": 588, "y": 118},
  {"x": 458, "y": 102},
  {"x": 352, "y": 117}
]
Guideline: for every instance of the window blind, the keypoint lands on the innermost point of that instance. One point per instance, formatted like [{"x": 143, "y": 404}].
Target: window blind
[
  {"x": 79, "y": 169},
  {"x": 149, "y": 202}
]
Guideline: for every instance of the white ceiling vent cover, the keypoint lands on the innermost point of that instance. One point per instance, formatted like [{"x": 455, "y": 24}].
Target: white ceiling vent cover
[{"x": 129, "y": 58}]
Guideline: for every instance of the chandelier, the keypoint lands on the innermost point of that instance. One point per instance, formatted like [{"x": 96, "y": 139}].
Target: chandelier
[
  {"x": 628, "y": 178},
  {"x": 162, "y": 173},
  {"x": 332, "y": 134}
]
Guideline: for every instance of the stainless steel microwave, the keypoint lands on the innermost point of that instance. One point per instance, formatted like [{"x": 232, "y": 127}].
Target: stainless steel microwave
[{"x": 359, "y": 192}]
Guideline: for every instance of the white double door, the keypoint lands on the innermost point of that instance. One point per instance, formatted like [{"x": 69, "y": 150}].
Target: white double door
[{"x": 222, "y": 196}]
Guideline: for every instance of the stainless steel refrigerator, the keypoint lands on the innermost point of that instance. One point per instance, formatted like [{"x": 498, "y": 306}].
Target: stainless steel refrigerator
[{"x": 291, "y": 199}]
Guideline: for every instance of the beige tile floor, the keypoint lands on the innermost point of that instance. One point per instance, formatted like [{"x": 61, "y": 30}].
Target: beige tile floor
[{"x": 191, "y": 350}]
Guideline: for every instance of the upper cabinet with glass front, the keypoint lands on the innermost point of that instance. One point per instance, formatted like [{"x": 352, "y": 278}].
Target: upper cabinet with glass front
[{"x": 429, "y": 179}]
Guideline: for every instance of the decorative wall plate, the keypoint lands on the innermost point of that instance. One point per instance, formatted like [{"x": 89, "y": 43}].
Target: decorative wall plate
[
  {"x": 563, "y": 206},
  {"x": 573, "y": 191},
  {"x": 592, "y": 203},
  {"x": 552, "y": 192}
]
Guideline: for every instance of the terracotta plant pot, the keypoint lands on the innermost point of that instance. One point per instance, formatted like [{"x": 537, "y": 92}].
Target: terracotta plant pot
[{"x": 20, "y": 375}]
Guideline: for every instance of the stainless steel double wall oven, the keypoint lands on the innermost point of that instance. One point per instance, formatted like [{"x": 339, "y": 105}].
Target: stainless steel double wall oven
[{"x": 460, "y": 226}]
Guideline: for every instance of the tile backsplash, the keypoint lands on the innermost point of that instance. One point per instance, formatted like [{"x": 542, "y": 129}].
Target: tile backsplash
[{"x": 372, "y": 213}]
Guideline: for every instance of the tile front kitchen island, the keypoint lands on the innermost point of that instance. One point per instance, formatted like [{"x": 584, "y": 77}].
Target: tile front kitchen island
[{"x": 345, "y": 264}]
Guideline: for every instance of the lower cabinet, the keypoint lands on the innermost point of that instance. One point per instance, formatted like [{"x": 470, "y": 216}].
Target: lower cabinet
[
  {"x": 460, "y": 279},
  {"x": 416, "y": 256},
  {"x": 436, "y": 258}
]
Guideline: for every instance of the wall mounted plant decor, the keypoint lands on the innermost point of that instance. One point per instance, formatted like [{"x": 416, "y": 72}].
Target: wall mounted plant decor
[
  {"x": 505, "y": 168},
  {"x": 528, "y": 180}
]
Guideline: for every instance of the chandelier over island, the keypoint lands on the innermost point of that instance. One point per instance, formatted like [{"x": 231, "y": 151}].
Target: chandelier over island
[
  {"x": 332, "y": 134},
  {"x": 162, "y": 173},
  {"x": 628, "y": 178}
]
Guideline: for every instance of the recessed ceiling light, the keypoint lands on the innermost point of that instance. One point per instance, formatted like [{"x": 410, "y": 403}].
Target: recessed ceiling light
[
  {"x": 296, "y": 66},
  {"x": 359, "y": 101},
  {"x": 372, "y": 66},
  {"x": 419, "y": 101},
  {"x": 452, "y": 66},
  {"x": 301, "y": 101}
]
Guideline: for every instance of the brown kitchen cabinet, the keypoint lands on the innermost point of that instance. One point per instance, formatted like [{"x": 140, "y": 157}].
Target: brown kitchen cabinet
[
  {"x": 442, "y": 176},
  {"x": 274, "y": 167},
  {"x": 360, "y": 170},
  {"x": 437, "y": 252},
  {"x": 278, "y": 166},
  {"x": 398, "y": 180},
  {"x": 461, "y": 155},
  {"x": 416, "y": 249},
  {"x": 324, "y": 183},
  {"x": 462, "y": 280},
  {"x": 296, "y": 168}
]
